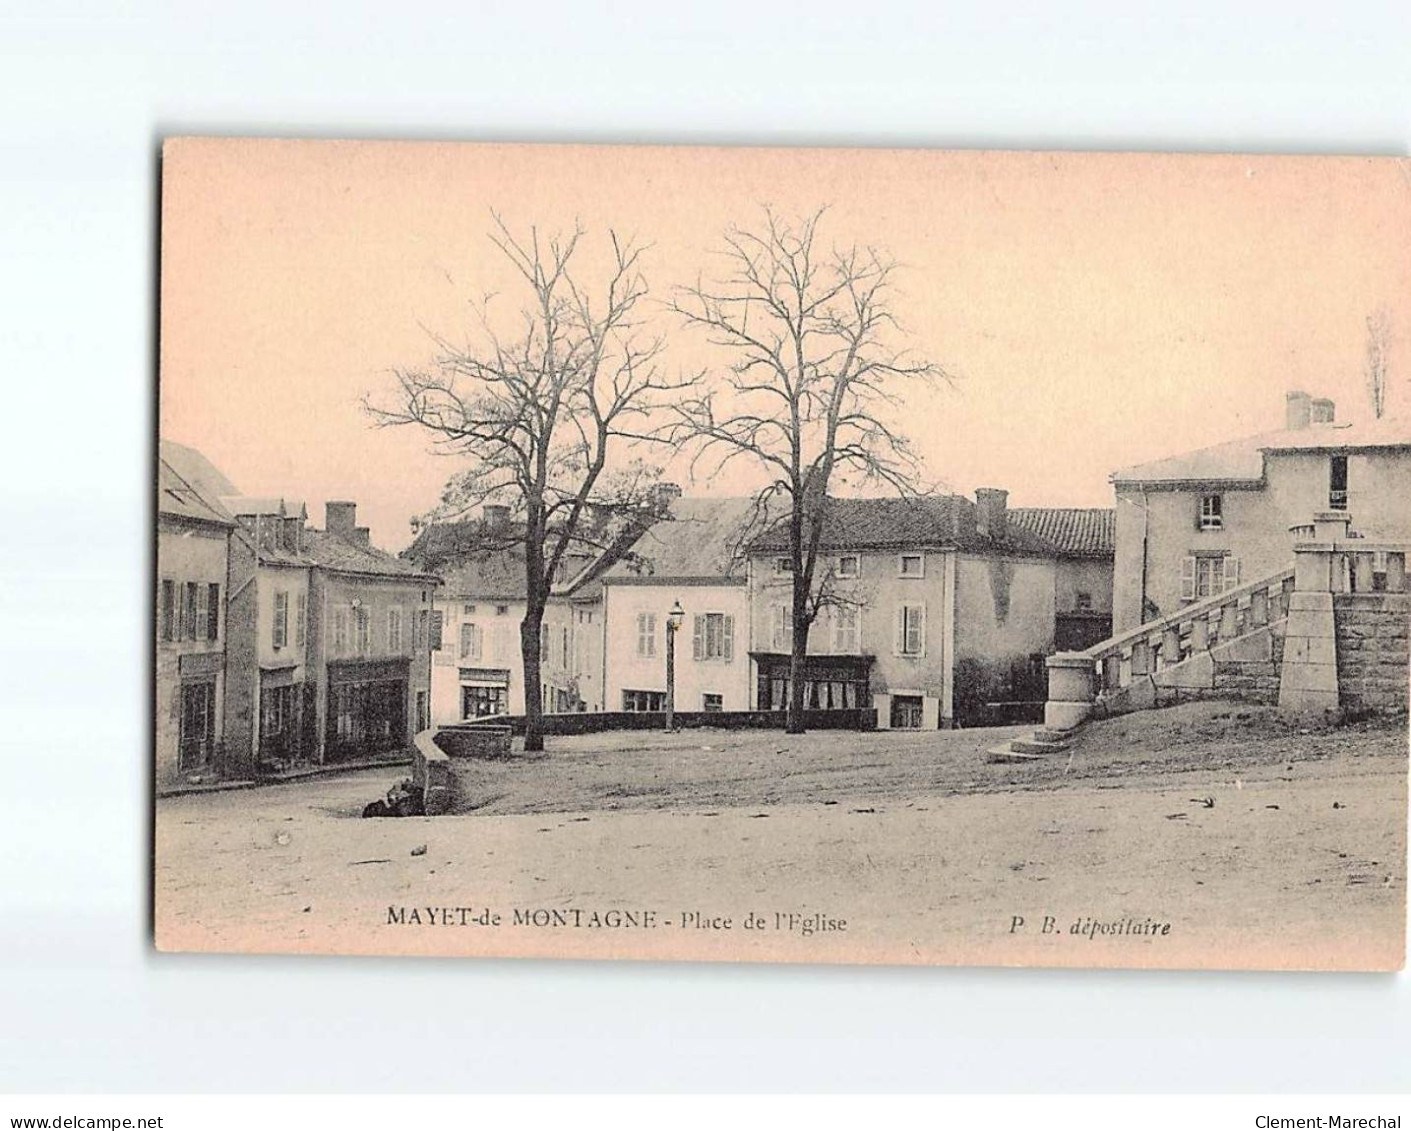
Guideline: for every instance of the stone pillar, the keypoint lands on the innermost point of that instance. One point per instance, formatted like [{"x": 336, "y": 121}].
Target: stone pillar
[
  {"x": 1396, "y": 572},
  {"x": 1308, "y": 676},
  {"x": 1070, "y": 690}
]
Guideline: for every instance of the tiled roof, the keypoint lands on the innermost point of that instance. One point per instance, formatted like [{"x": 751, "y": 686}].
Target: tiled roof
[
  {"x": 1075, "y": 531},
  {"x": 697, "y": 540},
  {"x": 1242, "y": 460},
  {"x": 333, "y": 552},
  {"x": 949, "y": 521}
]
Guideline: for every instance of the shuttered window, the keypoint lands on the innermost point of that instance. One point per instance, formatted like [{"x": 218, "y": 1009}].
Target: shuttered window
[
  {"x": 646, "y": 634},
  {"x": 783, "y": 628},
  {"x": 713, "y": 637},
  {"x": 166, "y": 612},
  {"x": 1203, "y": 577},
  {"x": 281, "y": 618},
  {"x": 845, "y": 635},
  {"x": 212, "y": 611},
  {"x": 301, "y": 618},
  {"x": 911, "y": 630}
]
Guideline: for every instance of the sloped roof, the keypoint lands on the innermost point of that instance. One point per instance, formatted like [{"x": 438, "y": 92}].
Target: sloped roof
[
  {"x": 949, "y": 521},
  {"x": 1242, "y": 460},
  {"x": 1071, "y": 531},
  {"x": 196, "y": 469},
  {"x": 697, "y": 539},
  {"x": 332, "y": 552},
  {"x": 179, "y": 498}
]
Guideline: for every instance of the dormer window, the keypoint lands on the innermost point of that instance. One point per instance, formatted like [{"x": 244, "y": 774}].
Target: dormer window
[{"x": 1212, "y": 512}]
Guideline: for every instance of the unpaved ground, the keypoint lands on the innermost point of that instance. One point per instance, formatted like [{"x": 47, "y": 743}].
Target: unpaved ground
[{"x": 1259, "y": 844}]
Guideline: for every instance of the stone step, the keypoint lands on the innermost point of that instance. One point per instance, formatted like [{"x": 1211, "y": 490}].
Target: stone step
[
  {"x": 1054, "y": 734},
  {"x": 1036, "y": 746},
  {"x": 1006, "y": 755}
]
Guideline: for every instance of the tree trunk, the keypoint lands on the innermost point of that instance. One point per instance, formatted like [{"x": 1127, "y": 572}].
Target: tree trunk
[
  {"x": 798, "y": 650},
  {"x": 530, "y": 636}
]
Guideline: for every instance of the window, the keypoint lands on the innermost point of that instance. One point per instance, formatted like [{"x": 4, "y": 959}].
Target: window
[
  {"x": 467, "y": 610},
  {"x": 565, "y": 652},
  {"x": 712, "y": 702},
  {"x": 479, "y": 702},
  {"x": 783, "y": 565},
  {"x": 646, "y": 635},
  {"x": 394, "y": 630},
  {"x": 200, "y": 613},
  {"x": 437, "y": 630},
  {"x": 166, "y": 611},
  {"x": 1203, "y": 577},
  {"x": 301, "y": 615},
  {"x": 845, "y": 636},
  {"x": 213, "y": 611},
  {"x": 713, "y": 637},
  {"x": 281, "y": 618},
  {"x": 911, "y": 565},
  {"x": 1337, "y": 484},
  {"x": 188, "y": 623},
  {"x": 911, "y": 630},
  {"x": 1211, "y": 512},
  {"x": 643, "y": 700},
  {"x": 472, "y": 641},
  {"x": 1083, "y": 602},
  {"x": 501, "y": 610},
  {"x": 362, "y": 631},
  {"x": 849, "y": 565},
  {"x": 783, "y": 633},
  {"x": 340, "y": 629}
]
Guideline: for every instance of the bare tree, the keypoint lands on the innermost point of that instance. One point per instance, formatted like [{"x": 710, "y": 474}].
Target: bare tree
[
  {"x": 540, "y": 415},
  {"x": 1375, "y": 367},
  {"x": 811, "y": 379}
]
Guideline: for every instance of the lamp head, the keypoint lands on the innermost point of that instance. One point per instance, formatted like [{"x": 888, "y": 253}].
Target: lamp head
[{"x": 676, "y": 615}]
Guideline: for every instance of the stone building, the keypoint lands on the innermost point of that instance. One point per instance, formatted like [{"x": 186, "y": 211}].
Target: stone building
[
  {"x": 1192, "y": 526},
  {"x": 687, "y": 558},
  {"x": 941, "y": 610},
  {"x": 193, "y": 545}
]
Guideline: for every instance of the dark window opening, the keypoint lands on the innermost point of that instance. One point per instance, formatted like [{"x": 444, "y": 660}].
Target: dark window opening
[
  {"x": 1337, "y": 484},
  {"x": 906, "y": 712}
]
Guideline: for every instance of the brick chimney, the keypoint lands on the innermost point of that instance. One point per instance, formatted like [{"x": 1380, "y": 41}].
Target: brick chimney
[
  {"x": 1298, "y": 410},
  {"x": 992, "y": 513},
  {"x": 497, "y": 516},
  {"x": 1322, "y": 410},
  {"x": 341, "y": 518}
]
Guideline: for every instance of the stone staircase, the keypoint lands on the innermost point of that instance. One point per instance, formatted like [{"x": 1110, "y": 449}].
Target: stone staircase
[{"x": 1329, "y": 632}]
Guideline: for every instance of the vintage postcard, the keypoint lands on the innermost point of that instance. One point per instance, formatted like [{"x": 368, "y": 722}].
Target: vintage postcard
[{"x": 787, "y": 555}]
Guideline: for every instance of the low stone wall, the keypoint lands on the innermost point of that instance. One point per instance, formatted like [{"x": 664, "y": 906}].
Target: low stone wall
[
  {"x": 1373, "y": 631},
  {"x": 475, "y": 741},
  {"x": 595, "y": 722},
  {"x": 431, "y": 773}
]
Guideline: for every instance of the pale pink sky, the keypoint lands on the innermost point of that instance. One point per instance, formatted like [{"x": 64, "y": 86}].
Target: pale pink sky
[{"x": 1101, "y": 309}]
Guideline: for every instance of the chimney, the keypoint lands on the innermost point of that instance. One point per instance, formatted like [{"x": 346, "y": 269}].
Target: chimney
[
  {"x": 341, "y": 518},
  {"x": 497, "y": 516},
  {"x": 1298, "y": 410},
  {"x": 293, "y": 540},
  {"x": 1322, "y": 411},
  {"x": 991, "y": 513},
  {"x": 664, "y": 494},
  {"x": 361, "y": 536}
]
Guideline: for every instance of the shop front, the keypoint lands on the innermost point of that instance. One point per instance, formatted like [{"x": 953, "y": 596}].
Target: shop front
[
  {"x": 830, "y": 683},
  {"x": 367, "y": 708},
  {"x": 484, "y": 692}
]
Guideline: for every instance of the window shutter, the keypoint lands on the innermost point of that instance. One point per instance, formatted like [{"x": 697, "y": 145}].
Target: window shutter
[
  {"x": 213, "y": 613},
  {"x": 438, "y": 622},
  {"x": 920, "y": 630},
  {"x": 900, "y": 642},
  {"x": 1232, "y": 574},
  {"x": 1199, "y": 508},
  {"x": 697, "y": 636},
  {"x": 1188, "y": 578},
  {"x": 729, "y": 644}
]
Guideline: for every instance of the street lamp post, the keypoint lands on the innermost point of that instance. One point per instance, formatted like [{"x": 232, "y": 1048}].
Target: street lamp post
[{"x": 673, "y": 625}]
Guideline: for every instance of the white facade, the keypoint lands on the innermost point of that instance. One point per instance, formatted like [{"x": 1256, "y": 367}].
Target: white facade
[
  {"x": 478, "y": 669},
  {"x": 712, "y": 646}
]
